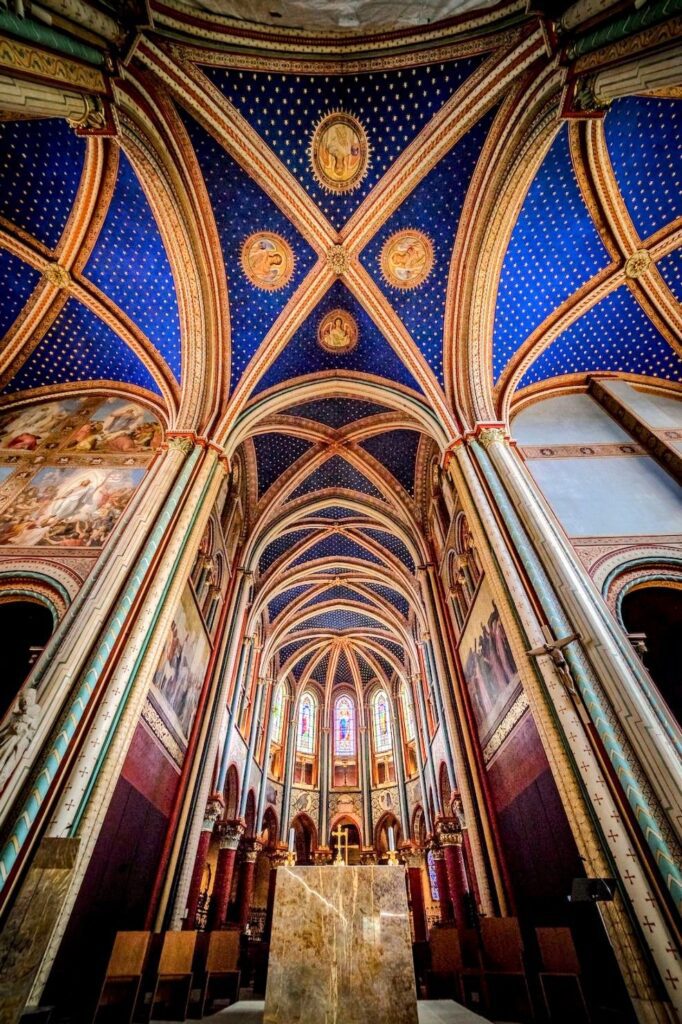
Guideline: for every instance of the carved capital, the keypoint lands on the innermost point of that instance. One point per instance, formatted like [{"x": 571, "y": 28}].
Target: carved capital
[
  {"x": 323, "y": 855},
  {"x": 337, "y": 259},
  {"x": 180, "y": 444},
  {"x": 252, "y": 850},
  {"x": 230, "y": 833},
  {"x": 448, "y": 831},
  {"x": 214, "y": 808},
  {"x": 490, "y": 436},
  {"x": 412, "y": 856},
  {"x": 637, "y": 264}
]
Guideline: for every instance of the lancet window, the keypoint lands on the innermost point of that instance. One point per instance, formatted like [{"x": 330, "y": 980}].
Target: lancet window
[
  {"x": 307, "y": 724},
  {"x": 382, "y": 726},
  {"x": 344, "y": 726}
]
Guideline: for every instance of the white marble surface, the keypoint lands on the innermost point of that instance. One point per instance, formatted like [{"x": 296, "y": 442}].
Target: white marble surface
[{"x": 433, "y": 1011}]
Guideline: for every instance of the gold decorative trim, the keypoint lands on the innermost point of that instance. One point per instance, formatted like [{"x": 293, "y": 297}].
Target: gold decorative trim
[
  {"x": 51, "y": 66},
  {"x": 395, "y": 259},
  {"x": 339, "y": 152},
  {"x": 267, "y": 261},
  {"x": 57, "y": 275},
  {"x": 506, "y": 726},
  {"x": 337, "y": 259},
  {"x": 163, "y": 734}
]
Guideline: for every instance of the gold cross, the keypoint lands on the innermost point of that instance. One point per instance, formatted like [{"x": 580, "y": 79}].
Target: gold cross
[{"x": 341, "y": 836}]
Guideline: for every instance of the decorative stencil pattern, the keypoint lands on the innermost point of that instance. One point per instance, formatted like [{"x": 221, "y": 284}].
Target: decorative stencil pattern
[
  {"x": 434, "y": 208},
  {"x": 397, "y": 451},
  {"x": 40, "y": 168},
  {"x": 554, "y": 249},
  {"x": 303, "y": 354},
  {"x": 614, "y": 335},
  {"x": 241, "y": 208},
  {"x": 391, "y": 106},
  {"x": 130, "y": 265},
  {"x": 17, "y": 281},
  {"x": 338, "y": 594},
  {"x": 336, "y": 472},
  {"x": 80, "y": 346},
  {"x": 274, "y": 454},
  {"x": 279, "y": 603},
  {"x": 644, "y": 140},
  {"x": 392, "y": 596}
]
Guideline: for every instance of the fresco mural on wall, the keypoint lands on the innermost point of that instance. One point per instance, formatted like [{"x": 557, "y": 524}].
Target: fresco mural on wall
[
  {"x": 25, "y": 429},
  {"x": 73, "y": 507},
  {"x": 491, "y": 674},
  {"x": 116, "y": 425},
  {"x": 180, "y": 673}
]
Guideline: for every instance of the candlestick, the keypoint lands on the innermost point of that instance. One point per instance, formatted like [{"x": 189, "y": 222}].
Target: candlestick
[
  {"x": 391, "y": 838},
  {"x": 292, "y": 840}
]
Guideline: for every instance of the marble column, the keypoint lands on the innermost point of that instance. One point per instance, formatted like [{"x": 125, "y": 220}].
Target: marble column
[
  {"x": 450, "y": 840},
  {"x": 247, "y": 873},
  {"x": 414, "y": 860},
  {"x": 214, "y": 809},
  {"x": 446, "y": 909},
  {"x": 325, "y": 771},
  {"x": 229, "y": 836}
]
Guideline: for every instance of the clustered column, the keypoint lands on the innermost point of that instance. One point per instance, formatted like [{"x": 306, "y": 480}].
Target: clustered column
[{"x": 229, "y": 835}]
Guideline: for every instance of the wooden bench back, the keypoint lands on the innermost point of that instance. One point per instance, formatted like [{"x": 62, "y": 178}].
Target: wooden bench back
[
  {"x": 223, "y": 952},
  {"x": 177, "y": 953},
  {"x": 128, "y": 955},
  {"x": 502, "y": 943},
  {"x": 557, "y": 951}
]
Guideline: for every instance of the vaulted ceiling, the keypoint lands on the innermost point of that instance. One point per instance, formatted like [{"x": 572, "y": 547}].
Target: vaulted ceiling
[{"x": 466, "y": 248}]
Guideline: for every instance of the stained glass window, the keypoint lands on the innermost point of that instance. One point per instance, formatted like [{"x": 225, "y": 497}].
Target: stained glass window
[
  {"x": 433, "y": 880},
  {"x": 382, "y": 728},
  {"x": 276, "y": 713},
  {"x": 408, "y": 712},
  {"x": 306, "y": 724},
  {"x": 344, "y": 726}
]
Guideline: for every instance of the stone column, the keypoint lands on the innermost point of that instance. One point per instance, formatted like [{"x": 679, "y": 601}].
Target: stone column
[
  {"x": 266, "y": 760},
  {"x": 288, "y": 773},
  {"x": 214, "y": 809},
  {"x": 414, "y": 859},
  {"x": 247, "y": 872},
  {"x": 399, "y": 758},
  {"x": 450, "y": 840},
  {"x": 261, "y": 689},
  {"x": 414, "y": 681},
  {"x": 325, "y": 770},
  {"x": 447, "y": 915},
  {"x": 229, "y": 836},
  {"x": 366, "y": 777}
]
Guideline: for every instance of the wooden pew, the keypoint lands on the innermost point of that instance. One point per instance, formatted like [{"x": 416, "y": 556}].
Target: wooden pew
[
  {"x": 121, "y": 986},
  {"x": 170, "y": 997},
  {"x": 503, "y": 968},
  {"x": 219, "y": 978},
  {"x": 564, "y": 998}
]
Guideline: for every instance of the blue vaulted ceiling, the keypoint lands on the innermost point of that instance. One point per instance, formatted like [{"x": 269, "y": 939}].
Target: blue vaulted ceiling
[
  {"x": 336, "y": 472},
  {"x": 554, "y": 230},
  {"x": 644, "y": 140},
  {"x": 274, "y": 454},
  {"x": 40, "y": 169},
  {"x": 433, "y": 208},
  {"x": 80, "y": 346},
  {"x": 130, "y": 265},
  {"x": 303, "y": 354},
  {"x": 336, "y": 412},
  {"x": 614, "y": 335},
  {"x": 17, "y": 281},
  {"x": 393, "y": 107},
  {"x": 397, "y": 451}
]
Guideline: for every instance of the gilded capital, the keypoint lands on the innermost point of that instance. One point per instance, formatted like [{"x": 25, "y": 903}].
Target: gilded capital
[
  {"x": 180, "y": 444},
  {"x": 490, "y": 436},
  {"x": 449, "y": 832},
  {"x": 230, "y": 834},
  {"x": 214, "y": 808}
]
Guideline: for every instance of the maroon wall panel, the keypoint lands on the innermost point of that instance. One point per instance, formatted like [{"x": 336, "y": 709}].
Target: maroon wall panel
[{"x": 117, "y": 884}]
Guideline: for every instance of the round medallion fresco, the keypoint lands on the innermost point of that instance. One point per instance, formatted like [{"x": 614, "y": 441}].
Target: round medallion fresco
[
  {"x": 338, "y": 332},
  {"x": 267, "y": 261},
  {"x": 406, "y": 259},
  {"x": 339, "y": 152}
]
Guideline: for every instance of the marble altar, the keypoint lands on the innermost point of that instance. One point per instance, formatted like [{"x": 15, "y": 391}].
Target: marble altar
[{"x": 340, "y": 950}]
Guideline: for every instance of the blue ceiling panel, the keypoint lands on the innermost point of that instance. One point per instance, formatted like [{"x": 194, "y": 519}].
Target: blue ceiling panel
[
  {"x": 367, "y": 673},
  {"x": 304, "y": 354},
  {"x": 433, "y": 208},
  {"x": 300, "y": 666},
  {"x": 340, "y": 618},
  {"x": 130, "y": 265},
  {"x": 339, "y": 594},
  {"x": 336, "y": 472},
  {"x": 392, "y": 106},
  {"x": 395, "y": 649},
  {"x": 17, "y": 281},
  {"x": 80, "y": 346},
  {"x": 336, "y": 513},
  {"x": 240, "y": 209},
  {"x": 392, "y": 596},
  {"x": 336, "y": 412},
  {"x": 319, "y": 673},
  {"x": 40, "y": 169},
  {"x": 614, "y": 335},
  {"x": 279, "y": 603},
  {"x": 394, "y": 545},
  {"x": 279, "y": 547},
  {"x": 274, "y": 454},
  {"x": 335, "y": 547},
  {"x": 670, "y": 269},
  {"x": 644, "y": 140},
  {"x": 397, "y": 451},
  {"x": 343, "y": 672},
  {"x": 554, "y": 249},
  {"x": 286, "y": 652}
]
